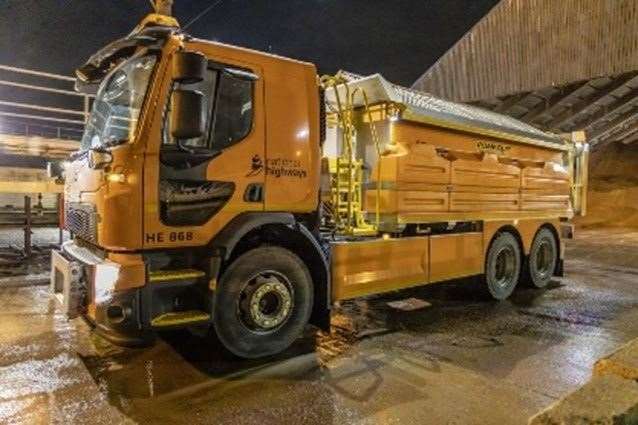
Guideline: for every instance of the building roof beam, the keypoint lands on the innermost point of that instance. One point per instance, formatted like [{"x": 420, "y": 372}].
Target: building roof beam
[
  {"x": 510, "y": 101},
  {"x": 620, "y": 121},
  {"x": 621, "y": 133},
  {"x": 608, "y": 110},
  {"x": 550, "y": 103},
  {"x": 570, "y": 113}
]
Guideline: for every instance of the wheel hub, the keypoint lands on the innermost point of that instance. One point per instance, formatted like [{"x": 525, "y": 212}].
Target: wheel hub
[
  {"x": 505, "y": 266},
  {"x": 267, "y": 301},
  {"x": 543, "y": 258}
]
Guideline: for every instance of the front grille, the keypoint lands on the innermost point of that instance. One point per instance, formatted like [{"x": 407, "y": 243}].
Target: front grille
[{"x": 81, "y": 220}]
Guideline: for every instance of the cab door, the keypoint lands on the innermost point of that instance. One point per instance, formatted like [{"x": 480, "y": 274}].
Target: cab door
[{"x": 194, "y": 187}]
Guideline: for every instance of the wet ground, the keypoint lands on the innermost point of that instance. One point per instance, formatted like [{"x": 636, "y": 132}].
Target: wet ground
[{"x": 459, "y": 358}]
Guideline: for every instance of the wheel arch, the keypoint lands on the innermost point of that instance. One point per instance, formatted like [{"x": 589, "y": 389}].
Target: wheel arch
[
  {"x": 226, "y": 240},
  {"x": 250, "y": 230}
]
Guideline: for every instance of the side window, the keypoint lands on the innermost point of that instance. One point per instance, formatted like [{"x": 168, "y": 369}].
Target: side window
[
  {"x": 228, "y": 103},
  {"x": 207, "y": 88},
  {"x": 233, "y": 111}
]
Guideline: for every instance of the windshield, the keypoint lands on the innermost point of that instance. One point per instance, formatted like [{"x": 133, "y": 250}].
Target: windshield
[{"x": 117, "y": 105}]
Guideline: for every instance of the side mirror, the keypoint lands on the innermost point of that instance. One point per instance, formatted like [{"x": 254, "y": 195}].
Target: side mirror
[
  {"x": 189, "y": 67},
  {"x": 55, "y": 170},
  {"x": 187, "y": 119},
  {"x": 99, "y": 158}
]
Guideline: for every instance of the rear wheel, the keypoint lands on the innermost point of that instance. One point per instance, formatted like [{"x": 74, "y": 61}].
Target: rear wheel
[
  {"x": 502, "y": 266},
  {"x": 543, "y": 257},
  {"x": 263, "y": 302}
]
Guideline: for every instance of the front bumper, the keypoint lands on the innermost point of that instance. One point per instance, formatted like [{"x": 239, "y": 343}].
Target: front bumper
[{"x": 107, "y": 292}]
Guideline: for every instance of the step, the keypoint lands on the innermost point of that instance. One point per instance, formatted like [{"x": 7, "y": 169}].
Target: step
[
  {"x": 180, "y": 318},
  {"x": 174, "y": 275}
]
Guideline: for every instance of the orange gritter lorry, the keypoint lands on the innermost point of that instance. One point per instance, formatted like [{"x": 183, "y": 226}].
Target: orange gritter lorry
[{"x": 227, "y": 188}]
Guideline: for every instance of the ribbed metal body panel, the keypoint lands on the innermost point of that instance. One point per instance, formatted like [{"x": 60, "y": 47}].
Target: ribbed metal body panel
[{"x": 523, "y": 45}]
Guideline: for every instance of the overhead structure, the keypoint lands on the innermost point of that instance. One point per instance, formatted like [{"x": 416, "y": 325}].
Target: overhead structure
[
  {"x": 41, "y": 119},
  {"x": 562, "y": 66},
  {"x": 37, "y": 146},
  {"x": 41, "y": 116}
]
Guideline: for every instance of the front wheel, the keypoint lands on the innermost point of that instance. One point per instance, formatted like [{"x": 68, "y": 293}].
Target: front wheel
[
  {"x": 502, "y": 266},
  {"x": 263, "y": 302}
]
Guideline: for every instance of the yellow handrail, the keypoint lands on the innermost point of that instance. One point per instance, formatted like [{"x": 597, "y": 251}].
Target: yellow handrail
[
  {"x": 375, "y": 139},
  {"x": 344, "y": 112}
]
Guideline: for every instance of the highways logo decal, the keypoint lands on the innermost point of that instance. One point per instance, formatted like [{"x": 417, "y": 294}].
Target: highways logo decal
[
  {"x": 256, "y": 166},
  {"x": 277, "y": 167}
]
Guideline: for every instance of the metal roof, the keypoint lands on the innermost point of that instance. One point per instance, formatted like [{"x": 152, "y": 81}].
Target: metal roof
[
  {"x": 523, "y": 45},
  {"x": 560, "y": 65}
]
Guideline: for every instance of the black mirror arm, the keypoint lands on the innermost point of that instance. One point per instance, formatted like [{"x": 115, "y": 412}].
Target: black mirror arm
[{"x": 181, "y": 147}]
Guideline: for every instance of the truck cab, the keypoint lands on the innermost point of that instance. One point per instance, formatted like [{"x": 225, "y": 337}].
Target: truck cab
[{"x": 186, "y": 139}]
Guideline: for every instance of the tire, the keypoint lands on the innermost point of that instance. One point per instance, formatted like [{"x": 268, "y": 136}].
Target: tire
[
  {"x": 543, "y": 257},
  {"x": 502, "y": 266},
  {"x": 263, "y": 302}
]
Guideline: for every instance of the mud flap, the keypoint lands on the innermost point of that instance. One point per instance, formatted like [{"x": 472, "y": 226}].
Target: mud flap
[{"x": 560, "y": 268}]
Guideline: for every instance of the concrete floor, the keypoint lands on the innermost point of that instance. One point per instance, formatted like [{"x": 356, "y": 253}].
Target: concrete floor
[{"x": 461, "y": 359}]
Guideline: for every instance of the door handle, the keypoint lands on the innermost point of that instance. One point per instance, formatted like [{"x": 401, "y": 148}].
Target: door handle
[{"x": 254, "y": 192}]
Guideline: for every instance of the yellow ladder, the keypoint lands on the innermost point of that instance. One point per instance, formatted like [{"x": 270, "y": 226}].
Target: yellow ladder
[{"x": 346, "y": 191}]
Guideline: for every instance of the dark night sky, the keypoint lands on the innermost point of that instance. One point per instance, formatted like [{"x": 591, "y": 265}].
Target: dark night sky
[{"x": 399, "y": 38}]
